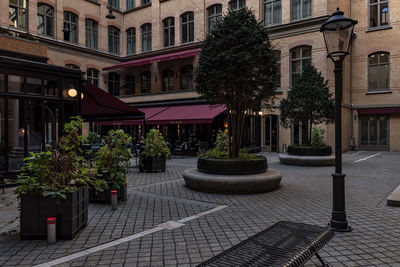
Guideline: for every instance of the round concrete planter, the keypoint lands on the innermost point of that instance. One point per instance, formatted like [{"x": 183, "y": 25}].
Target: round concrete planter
[
  {"x": 310, "y": 151},
  {"x": 232, "y": 167},
  {"x": 232, "y": 184},
  {"x": 307, "y": 160}
]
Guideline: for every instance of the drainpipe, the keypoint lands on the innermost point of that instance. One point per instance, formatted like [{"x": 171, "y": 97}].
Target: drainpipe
[{"x": 351, "y": 85}]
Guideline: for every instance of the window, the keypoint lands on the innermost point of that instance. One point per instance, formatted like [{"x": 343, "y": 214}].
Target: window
[
  {"x": 237, "y": 5},
  {"x": 130, "y": 4},
  {"x": 72, "y": 66},
  {"x": 93, "y": 76},
  {"x": 272, "y": 12},
  {"x": 299, "y": 58},
  {"x": 145, "y": 82},
  {"x": 146, "y": 37},
  {"x": 378, "y": 13},
  {"x": 144, "y": 2},
  {"x": 187, "y": 22},
  {"x": 131, "y": 41},
  {"x": 378, "y": 72},
  {"x": 168, "y": 80},
  {"x": 45, "y": 15},
  {"x": 214, "y": 14},
  {"x": 92, "y": 29},
  {"x": 169, "y": 31},
  {"x": 18, "y": 14},
  {"x": 113, "y": 3},
  {"x": 301, "y": 9},
  {"x": 114, "y": 83},
  {"x": 187, "y": 77},
  {"x": 278, "y": 62},
  {"x": 70, "y": 27},
  {"x": 129, "y": 88},
  {"x": 113, "y": 40}
]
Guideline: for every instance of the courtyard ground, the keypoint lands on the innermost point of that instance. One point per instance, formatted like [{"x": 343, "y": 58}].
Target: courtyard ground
[{"x": 163, "y": 223}]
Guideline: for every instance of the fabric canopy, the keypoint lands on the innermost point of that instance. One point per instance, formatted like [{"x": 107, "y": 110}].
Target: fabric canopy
[
  {"x": 379, "y": 111},
  {"x": 159, "y": 58},
  {"x": 98, "y": 105},
  {"x": 194, "y": 114}
]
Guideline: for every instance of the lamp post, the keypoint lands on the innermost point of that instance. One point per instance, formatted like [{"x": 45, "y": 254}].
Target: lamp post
[{"x": 338, "y": 33}]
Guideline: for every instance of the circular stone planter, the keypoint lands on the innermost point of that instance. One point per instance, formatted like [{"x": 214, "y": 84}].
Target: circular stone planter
[
  {"x": 232, "y": 184},
  {"x": 307, "y": 160},
  {"x": 310, "y": 151},
  {"x": 232, "y": 167}
]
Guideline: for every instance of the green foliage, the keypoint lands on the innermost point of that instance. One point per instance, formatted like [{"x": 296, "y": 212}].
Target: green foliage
[
  {"x": 222, "y": 141},
  {"x": 317, "y": 136},
  {"x": 155, "y": 145},
  {"x": 59, "y": 170},
  {"x": 218, "y": 154},
  {"x": 112, "y": 159},
  {"x": 91, "y": 138},
  {"x": 308, "y": 101},
  {"x": 237, "y": 68}
]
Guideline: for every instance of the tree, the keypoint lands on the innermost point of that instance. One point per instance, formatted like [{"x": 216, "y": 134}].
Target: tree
[
  {"x": 237, "y": 68},
  {"x": 308, "y": 101}
]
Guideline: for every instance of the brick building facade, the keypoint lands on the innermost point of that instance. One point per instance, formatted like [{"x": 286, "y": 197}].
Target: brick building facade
[{"x": 78, "y": 34}]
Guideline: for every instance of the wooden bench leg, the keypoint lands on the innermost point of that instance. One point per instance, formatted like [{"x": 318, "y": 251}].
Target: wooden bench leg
[{"x": 321, "y": 260}]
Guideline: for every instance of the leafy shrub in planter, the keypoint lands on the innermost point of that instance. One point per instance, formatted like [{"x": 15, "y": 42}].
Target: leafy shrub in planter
[{"x": 156, "y": 151}]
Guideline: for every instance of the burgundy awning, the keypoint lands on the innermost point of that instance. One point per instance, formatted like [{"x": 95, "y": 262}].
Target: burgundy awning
[
  {"x": 98, "y": 105},
  {"x": 164, "y": 57},
  {"x": 379, "y": 111},
  {"x": 194, "y": 114}
]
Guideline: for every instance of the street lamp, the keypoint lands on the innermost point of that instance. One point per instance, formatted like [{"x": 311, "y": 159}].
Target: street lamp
[{"x": 338, "y": 32}]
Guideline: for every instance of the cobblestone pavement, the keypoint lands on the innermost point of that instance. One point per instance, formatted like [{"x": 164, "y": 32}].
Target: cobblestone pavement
[{"x": 203, "y": 225}]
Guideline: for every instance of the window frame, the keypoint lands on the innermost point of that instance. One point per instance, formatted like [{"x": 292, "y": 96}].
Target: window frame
[
  {"x": 114, "y": 34},
  {"x": 302, "y": 17},
  {"x": 237, "y": 5},
  {"x": 265, "y": 2},
  {"x": 18, "y": 8},
  {"x": 131, "y": 82},
  {"x": 114, "y": 81},
  {"x": 183, "y": 74},
  {"x": 379, "y": 65},
  {"x": 130, "y": 4},
  {"x": 148, "y": 35},
  {"x": 168, "y": 31},
  {"x": 131, "y": 39},
  {"x": 146, "y": 82},
  {"x": 70, "y": 22},
  {"x": 379, "y": 24},
  {"x": 214, "y": 18},
  {"x": 170, "y": 75},
  {"x": 92, "y": 30},
  {"x": 113, "y": 4},
  {"x": 301, "y": 59},
  {"x": 44, "y": 17},
  {"x": 189, "y": 23},
  {"x": 92, "y": 76}
]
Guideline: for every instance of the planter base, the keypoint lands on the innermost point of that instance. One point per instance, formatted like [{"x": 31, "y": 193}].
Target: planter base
[
  {"x": 307, "y": 160},
  {"x": 233, "y": 184},
  {"x": 153, "y": 165},
  {"x": 105, "y": 196}
]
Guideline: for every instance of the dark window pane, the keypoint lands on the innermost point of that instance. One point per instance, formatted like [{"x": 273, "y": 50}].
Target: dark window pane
[{"x": 15, "y": 83}]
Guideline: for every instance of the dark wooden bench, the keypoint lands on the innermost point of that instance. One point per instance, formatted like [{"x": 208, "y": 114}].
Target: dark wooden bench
[{"x": 283, "y": 244}]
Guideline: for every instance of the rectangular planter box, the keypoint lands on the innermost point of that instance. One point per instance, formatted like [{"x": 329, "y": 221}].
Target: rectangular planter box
[
  {"x": 71, "y": 214},
  {"x": 105, "y": 196},
  {"x": 153, "y": 165}
]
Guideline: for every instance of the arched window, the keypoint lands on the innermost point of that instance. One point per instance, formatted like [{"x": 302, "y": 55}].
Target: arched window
[
  {"x": 301, "y": 9},
  {"x": 145, "y": 82},
  {"x": 92, "y": 75},
  {"x": 146, "y": 37},
  {"x": 299, "y": 57},
  {"x": 45, "y": 15},
  {"x": 187, "y": 77},
  {"x": 237, "y": 4},
  {"x": 92, "y": 29},
  {"x": 131, "y": 41},
  {"x": 72, "y": 66},
  {"x": 378, "y": 13},
  {"x": 378, "y": 71},
  {"x": 169, "y": 31},
  {"x": 168, "y": 80},
  {"x": 70, "y": 27},
  {"x": 272, "y": 12},
  {"x": 113, "y": 40},
  {"x": 187, "y": 22},
  {"x": 214, "y": 14},
  {"x": 114, "y": 83},
  {"x": 18, "y": 14}
]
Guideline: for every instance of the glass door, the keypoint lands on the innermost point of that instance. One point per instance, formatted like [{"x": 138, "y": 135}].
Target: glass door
[{"x": 374, "y": 132}]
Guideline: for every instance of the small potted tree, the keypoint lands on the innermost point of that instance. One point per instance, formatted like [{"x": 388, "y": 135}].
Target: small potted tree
[
  {"x": 54, "y": 184},
  {"x": 111, "y": 161},
  {"x": 153, "y": 158}
]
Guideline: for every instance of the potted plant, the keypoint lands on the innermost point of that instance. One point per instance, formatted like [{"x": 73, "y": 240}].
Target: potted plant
[
  {"x": 111, "y": 161},
  {"x": 153, "y": 158},
  {"x": 54, "y": 183}
]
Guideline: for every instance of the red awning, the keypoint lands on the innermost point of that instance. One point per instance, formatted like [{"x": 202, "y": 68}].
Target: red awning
[
  {"x": 195, "y": 114},
  {"x": 160, "y": 58},
  {"x": 379, "y": 111},
  {"x": 98, "y": 105}
]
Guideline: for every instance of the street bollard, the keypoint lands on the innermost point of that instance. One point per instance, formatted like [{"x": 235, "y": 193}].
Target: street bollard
[
  {"x": 51, "y": 230},
  {"x": 284, "y": 148},
  {"x": 125, "y": 191},
  {"x": 114, "y": 199}
]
